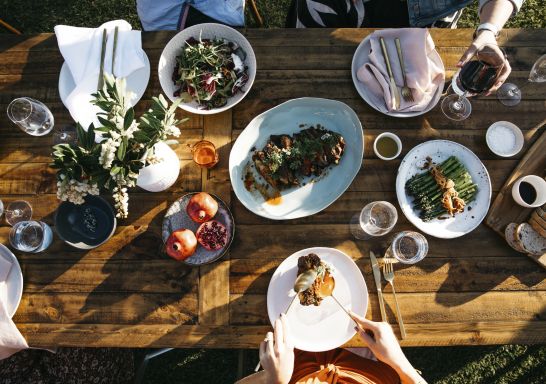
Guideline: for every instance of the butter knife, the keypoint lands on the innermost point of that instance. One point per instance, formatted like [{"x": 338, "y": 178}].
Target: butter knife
[
  {"x": 395, "y": 95},
  {"x": 377, "y": 276}
]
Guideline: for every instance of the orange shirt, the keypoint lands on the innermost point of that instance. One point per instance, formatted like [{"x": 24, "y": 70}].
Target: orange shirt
[{"x": 339, "y": 366}]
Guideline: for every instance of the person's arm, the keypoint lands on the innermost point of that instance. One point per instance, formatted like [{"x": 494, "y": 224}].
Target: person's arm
[
  {"x": 381, "y": 340},
  {"x": 497, "y": 13}
]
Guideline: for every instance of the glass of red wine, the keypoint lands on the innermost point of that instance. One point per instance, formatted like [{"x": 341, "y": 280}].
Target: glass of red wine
[{"x": 476, "y": 77}]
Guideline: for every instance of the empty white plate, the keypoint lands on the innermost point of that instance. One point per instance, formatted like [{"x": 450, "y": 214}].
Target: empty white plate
[{"x": 11, "y": 290}]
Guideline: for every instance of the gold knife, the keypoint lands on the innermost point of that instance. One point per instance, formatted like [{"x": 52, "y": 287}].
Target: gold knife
[
  {"x": 377, "y": 277},
  {"x": 395, "y": 95}
]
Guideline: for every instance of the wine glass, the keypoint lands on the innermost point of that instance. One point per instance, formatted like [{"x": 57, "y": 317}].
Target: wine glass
[
  {"x": 1, "y": 208},
  {"x": 30, "y": 236},
  {"x": 376, "y": 219},
  {"x": 65, "y": 135},
  {"x": 509, "y": 94},
  {"x": 18, "y": 210},
  {"x": 32, "y": 116},
  {"x": 476, "y": 77},
  {"x": 408, "y": 247}
]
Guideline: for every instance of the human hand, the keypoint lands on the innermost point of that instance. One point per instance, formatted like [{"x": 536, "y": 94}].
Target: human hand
[
  {"x": 384, "y": 345},
  {"x": 494, "y": 56},
  {"x": 277, "y": 353}
]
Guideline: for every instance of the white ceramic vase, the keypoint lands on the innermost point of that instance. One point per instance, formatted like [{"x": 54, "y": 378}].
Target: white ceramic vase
[{"x": 161, "y": 176}]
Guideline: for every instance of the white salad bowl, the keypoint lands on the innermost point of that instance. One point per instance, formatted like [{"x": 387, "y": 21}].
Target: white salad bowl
[{"x": 167, "y": 63}]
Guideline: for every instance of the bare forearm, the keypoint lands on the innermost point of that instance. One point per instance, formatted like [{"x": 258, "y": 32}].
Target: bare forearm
[
  {"x": 408, "y": 374},
  {"x": 496, "y": 12}
]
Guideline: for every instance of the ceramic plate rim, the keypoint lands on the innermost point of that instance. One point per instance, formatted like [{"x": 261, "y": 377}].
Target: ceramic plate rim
[
  {"x": 250, "y": 61},
  {"x": 15, "y": 268},
  {"x": 273, "y": 316},
  {"x": 236, "y": 183},
  {"x": 402, "y": 197},
  {"x": 228, "y": 210},
  {"x": 364, "y": 95},
  {"x": 65, "y": 71}
]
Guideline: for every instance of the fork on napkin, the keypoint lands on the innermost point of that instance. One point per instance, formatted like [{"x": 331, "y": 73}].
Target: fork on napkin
[
  {"x": 82, "y": 48},
  {"x": 11, "y": 340},
  {"x": 423, "y": 74}
]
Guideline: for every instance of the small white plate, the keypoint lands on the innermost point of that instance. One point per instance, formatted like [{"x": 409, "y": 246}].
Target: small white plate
[
  {"x": 136, "y": 82},
  {"x": 11, "y": 290},
  {"x": 361, "y": 57},
  {"x": 286, "y": 119},
  {"x": 173, "y": 48},
  {"x": 323, "y": 327},
  {"x": 440, "y": 150}
]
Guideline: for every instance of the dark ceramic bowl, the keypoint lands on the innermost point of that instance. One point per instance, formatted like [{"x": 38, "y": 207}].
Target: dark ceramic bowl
[{"x": 85, "y": 226}]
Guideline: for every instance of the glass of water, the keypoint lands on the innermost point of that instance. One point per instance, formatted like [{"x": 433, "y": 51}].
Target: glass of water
[
  {"x": 376, "y": 219},
  {"x": 408, "y": 247},
  {"x": 30, "y": 236},
  {"x": 32, "y": 116}
]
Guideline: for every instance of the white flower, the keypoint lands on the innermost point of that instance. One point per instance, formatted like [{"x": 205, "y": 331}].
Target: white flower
[
  {"x": 121, "y": 202},
  {"x": 172, "y": 130},
  {"x": 131, "y": 130},
  {"x": 108, "y": 153},
  {"x": 75, "y": 191}
]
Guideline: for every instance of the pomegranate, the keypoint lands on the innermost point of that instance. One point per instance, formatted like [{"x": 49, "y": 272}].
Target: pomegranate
[
  {"x": 212, "y": 235},
  {"x": 181, "y": 244},
  {"x": 202, "y": 207}
]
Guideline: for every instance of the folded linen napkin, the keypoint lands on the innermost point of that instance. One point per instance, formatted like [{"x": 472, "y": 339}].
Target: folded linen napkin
[
  {"x": 424, "y": 75},
  {"x": 81, "y": 49},
  {"x": 11, "y": 340}
]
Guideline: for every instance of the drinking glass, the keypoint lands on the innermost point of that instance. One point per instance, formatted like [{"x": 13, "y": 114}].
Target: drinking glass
[
  {"x": 476, "y": 77},
  {"x": 1, "y": 208},
  {"x": 204, "y": 154},
  {"x": 510, "y": 94},
  {"x": 30, "y": 236},
  {"x": 376, "y": 219},
  {"x": 32, "y": 116},
  {"x": 18, "y": 210},
  {"x": 408, "y": 247},
  {"x": 65, "y": 135}
]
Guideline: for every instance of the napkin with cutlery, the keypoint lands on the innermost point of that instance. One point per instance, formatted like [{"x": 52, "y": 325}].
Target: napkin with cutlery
[
  {"x": 81, "y": 49},
  {"x": 424, "y": 75},
  {"x": 11, "y": 340}
]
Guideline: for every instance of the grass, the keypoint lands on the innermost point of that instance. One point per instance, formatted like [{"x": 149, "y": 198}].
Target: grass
[{"x": 453, "y": 365}]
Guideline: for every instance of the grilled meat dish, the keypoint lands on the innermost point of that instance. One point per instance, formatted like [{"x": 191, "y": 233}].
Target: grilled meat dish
[
  {"x": 311, "y": 296},
  {"x": 306, "y": 153}
]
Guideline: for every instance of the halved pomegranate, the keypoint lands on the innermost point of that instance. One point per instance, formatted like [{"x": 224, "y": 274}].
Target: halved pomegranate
[{"x": 212, "y": 235}]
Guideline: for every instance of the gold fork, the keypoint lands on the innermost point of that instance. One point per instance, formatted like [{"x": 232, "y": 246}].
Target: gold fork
[
  {"x": 388, "y": 274},
  {"x": 406, "y": 91}
]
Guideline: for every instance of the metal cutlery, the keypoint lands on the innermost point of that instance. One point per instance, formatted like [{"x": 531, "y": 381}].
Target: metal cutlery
[
  {"x": 406, "y": 91},
  {"x": 395, "y": 95},
  {"x": 388, "y": 274},
  {"x": 377, "y": 277}
]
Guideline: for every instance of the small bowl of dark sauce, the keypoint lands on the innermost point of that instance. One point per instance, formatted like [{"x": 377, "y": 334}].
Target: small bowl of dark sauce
[{"x": 529, "y": 191}]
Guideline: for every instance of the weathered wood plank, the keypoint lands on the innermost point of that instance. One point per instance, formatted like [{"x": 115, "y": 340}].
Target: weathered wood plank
[
  {"x": 199, "y": 336},
  {"x": 214, "y": 278},
  {"x": 107, "y": 308},
  {"x": 434, "y": 274},
  {"x": 441, "y": 307},
  {"x": 272, "y": 242}
]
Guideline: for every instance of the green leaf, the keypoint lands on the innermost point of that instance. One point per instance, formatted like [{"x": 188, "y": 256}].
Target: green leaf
[
  {"x": 115, "y": 170},
  {"x": 91, "y": 136},
  {"x": 122, "y": 149},
  {"x": 81, "y": 134},
  {"x": 129, "y": 117}
]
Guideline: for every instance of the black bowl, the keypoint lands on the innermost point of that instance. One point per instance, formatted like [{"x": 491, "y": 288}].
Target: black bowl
[{"x": 85, "y": 226}]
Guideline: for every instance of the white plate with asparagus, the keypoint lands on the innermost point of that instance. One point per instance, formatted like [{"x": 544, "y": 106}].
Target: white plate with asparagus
[{"x": 443, "y": 188}]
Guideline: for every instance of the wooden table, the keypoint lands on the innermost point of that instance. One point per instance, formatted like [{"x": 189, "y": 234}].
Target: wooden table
[{"x": 472, "y": 290}]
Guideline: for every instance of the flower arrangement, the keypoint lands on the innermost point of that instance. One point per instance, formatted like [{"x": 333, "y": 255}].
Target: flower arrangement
[{"x": 111, "y": 155}]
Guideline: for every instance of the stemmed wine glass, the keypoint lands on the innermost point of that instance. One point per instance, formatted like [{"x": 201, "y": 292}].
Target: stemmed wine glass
[
  {"x": 510, "y": 94},
  {"x": 18, "y": 210},
  {"x": 476, "y": 77},
  {"x": 376, "y": 219}
]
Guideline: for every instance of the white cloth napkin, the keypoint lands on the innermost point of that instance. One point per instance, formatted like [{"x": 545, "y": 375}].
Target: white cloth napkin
[
  {"x": 81, "y": 49},
  {"x": 423, "y": 74},
  {"x": 11, "y": 340}
]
